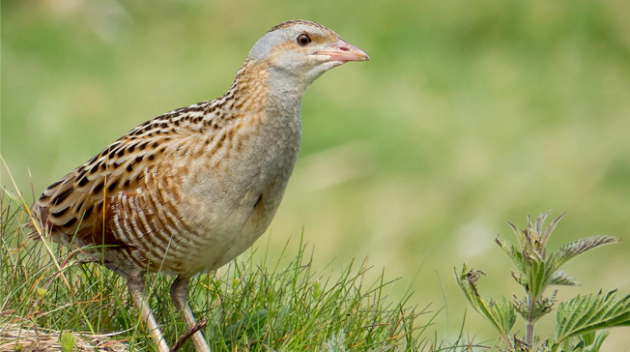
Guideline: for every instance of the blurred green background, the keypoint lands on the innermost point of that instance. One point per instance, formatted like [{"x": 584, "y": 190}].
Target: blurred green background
[{"x": 471, "y": 113}]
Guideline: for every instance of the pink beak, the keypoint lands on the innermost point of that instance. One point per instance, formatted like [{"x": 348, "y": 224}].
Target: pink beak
[{"x": 344, "y": 52}]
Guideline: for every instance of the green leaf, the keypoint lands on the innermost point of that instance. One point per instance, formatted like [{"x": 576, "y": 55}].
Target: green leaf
[
  {"x": 519, "y": 278},
  {"x": 588, "y": 342},
  {"x": 500, "y": 314},
  {"x": 538, "y": 273},
  {"x": 572, "y": 250},
  {"x": 561, "y": 278},
  {"x": 588, "y": 313},
  {"x": 549, "y": 230},
  {"x": 596, "y": 346},
  {"x": 67, "y": 341},
  {"x": 513, "y": 252},
  {"x": 534, "y": 272},
  {"x": 543, "y": 306},
  {"x": 518, "y": 233},
  {"x": 535, "y": 269}
]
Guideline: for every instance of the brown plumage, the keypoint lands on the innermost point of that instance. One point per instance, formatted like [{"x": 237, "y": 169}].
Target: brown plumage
[{"x": 189, "y": 190}]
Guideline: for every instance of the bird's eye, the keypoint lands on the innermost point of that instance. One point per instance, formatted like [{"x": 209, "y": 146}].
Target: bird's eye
[{"x": 303, "y": 39}]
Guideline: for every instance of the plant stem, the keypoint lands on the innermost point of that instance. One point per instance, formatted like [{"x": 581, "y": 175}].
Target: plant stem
[{"x": 529, "y": 338}]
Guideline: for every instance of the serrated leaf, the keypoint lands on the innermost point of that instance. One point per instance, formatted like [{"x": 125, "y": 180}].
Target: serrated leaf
[
  {"x": 561, "y": 278},
  {"x": 572, "y": 250},
  {"x": 538, "y": 273},
  {"x": 588, "y": 313},
  {"x": 513, "y": 252},
  {"x": 521, "y": 306},
  {"x": 520, "y": 278},
  {"x": 518, "y": 232},
  {"x": 535, "y": 269},
  {"x": 549, "y": 230},
  {"x": 596, "y": 346},
  {"x": 500, "y": 314},
  {"x": 588, "y": 342},
  {"x": 543, "y": 306},
  {"x": 540, "y": 221}
]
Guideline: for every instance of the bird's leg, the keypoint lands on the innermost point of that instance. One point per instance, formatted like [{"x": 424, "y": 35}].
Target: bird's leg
[
  {"x": 179, "y": 294},
  {"x": 136, "y": 290}
]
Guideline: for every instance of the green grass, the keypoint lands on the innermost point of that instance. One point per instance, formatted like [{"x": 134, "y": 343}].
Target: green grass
[
  {"x": 469, "y": 113},
  {"x": 280, "y": 304}
]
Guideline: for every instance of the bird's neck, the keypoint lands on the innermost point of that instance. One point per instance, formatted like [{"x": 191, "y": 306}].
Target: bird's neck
[
  {"x": 272, "y": 114},
  {"x": 260, "y": 86}
]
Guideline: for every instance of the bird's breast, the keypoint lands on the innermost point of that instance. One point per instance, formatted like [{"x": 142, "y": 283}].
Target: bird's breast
[{"x": 232, "y": 191}]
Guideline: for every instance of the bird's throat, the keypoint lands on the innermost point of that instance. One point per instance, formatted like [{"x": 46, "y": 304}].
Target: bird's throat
[{"x": 273, "y": 93}]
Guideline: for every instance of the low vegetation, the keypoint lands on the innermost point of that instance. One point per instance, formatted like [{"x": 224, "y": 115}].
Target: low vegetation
[
  {"x": 52, "y": 300},
  {"x": 580, "y": 322}
]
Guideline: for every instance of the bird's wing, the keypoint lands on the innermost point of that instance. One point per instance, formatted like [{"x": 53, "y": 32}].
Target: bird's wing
[{"x": 133, "y": 171}]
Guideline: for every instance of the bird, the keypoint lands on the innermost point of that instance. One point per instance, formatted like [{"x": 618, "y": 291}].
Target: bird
[{"x": 188, "y": 191}]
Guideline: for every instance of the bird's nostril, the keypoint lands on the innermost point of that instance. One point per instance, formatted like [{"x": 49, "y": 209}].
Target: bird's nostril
[{"x": 343, "y": 48}]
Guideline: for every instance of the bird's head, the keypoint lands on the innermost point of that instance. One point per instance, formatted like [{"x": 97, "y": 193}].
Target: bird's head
[{"x": 299, "y": 51}]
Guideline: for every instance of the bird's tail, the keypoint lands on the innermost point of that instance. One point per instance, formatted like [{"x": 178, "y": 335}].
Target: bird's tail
[{"x": 36, "y": 227}]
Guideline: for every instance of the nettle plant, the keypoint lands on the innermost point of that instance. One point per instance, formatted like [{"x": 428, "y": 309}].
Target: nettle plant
[{"x": 579, "y": 322}]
